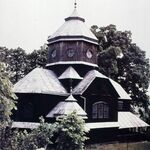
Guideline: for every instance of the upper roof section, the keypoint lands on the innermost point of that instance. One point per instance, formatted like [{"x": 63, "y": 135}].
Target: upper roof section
[
  {"x": 94, "y": 74},
  {"x": 70, "y": 73},
  {"x": 73, "y": 29}
]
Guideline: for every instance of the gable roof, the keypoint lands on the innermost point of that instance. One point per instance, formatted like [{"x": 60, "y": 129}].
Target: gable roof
[
  {"x": 70, "y": 73},
  {"x": 91, "y": 76},
  {"x": 41, "y": 81}
]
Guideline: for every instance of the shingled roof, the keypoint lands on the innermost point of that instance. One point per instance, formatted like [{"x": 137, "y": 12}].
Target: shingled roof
[
  {"x": 66, "y": 107},
  {"x": 91, "y": 76},
  {"x": 41, "y": 81},
  {"x": 73, "y": 29},
  {"x": 70, "y": 73}
]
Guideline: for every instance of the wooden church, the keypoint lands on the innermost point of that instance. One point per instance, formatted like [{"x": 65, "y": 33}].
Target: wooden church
[{"x": 71, "y": 81}]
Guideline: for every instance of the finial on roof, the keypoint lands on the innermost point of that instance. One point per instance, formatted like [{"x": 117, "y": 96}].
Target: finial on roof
[{"x": 75, "y": 4}]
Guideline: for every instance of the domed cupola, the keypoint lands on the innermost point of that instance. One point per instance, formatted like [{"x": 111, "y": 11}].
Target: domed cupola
[{"x": 73, "y": 42}]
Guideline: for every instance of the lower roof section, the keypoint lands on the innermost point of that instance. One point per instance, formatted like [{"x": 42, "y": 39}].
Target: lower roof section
[
  {"x": 129, "y": 120},
  {"x": 101, "y": 125},
  {"x": 126, "y": 120},
  {"x": 25, "y": 125}
]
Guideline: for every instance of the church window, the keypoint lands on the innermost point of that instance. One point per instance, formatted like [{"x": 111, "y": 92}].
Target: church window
[
  {"x": 70, "y": 52},
  {"x": 100, "y": 110},
  {"x": 120, "y": 105},
  {"x": 89, "y": 54},
  {"x": 53, "y": 53}
]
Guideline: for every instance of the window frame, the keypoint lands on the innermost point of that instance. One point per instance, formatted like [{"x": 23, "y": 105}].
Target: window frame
[{"x": 100, "y": 110}]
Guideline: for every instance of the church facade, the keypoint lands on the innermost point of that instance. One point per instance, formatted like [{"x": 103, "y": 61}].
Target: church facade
[{"x": 71, "y": 81}]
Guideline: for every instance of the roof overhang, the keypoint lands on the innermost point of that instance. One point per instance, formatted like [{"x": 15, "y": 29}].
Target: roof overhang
[
  {"x": 126, "y": 120},
  {"x": 72, "y": 38},
  {"x": 72, "y": 63}
]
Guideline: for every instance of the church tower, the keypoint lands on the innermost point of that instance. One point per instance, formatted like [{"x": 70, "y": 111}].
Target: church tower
[
  {"x": 73, "y": 43},
  {"x": 71, "y": 81}
]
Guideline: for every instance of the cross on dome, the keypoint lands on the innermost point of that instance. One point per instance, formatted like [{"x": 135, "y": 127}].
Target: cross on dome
[{"x": 75, "y": 4}]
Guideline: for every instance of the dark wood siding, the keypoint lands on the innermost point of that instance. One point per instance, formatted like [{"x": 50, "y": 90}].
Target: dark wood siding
[{"x": 80, "y": 49}]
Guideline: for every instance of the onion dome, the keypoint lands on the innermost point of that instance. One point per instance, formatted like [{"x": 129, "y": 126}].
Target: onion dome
[
  {"x": 74, "y": 29},
  {"x": 67, "y": 107},
  {"x": 70, "y": 73}
]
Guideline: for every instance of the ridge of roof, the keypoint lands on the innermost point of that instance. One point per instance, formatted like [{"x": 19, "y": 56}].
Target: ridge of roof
[{"x": 70, "y": 98}]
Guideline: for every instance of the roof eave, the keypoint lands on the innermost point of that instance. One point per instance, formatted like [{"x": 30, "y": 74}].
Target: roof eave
[{"x": 72, "y": 38}]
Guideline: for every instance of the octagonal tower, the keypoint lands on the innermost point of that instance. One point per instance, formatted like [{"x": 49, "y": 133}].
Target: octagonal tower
[{"x": 73, "y": 42}]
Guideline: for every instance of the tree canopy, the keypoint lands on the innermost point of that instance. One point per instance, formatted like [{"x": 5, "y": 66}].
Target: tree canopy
[
  {"x": 19, "y": 63},
  {"x": 125, "y": 62},
  {"x": 7, "y": 97}
]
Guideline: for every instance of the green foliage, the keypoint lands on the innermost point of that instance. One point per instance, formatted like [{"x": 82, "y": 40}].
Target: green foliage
[
  {"x": 71, "y": 133},
  {"x": 126, "y": 63},
  {"x": 7, "y": 97},
  {"x": 16, "y": 60},
  {"x": 11, "y": 139},
  {"x": 37, "y": 138},
  {"x": 19, "y": 63},
  {"x": 7, "y": 104},
  {"x": 38, "y": 58}
]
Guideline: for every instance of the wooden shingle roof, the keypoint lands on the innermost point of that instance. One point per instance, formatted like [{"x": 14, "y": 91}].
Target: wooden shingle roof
[
  {"x": 91, "y": 76},
  {"x": 42, "y": 81},
  {"x": 66, "y": 107},
  {"x": 73, "y": 29},
  {"x": 70, "y": 73}
]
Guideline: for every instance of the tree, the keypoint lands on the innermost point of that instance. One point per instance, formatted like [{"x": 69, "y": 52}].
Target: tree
[
  {"x": 38, "y": 58},
  {"x": 7, "y": 97},
  {"x": 71, "y": 133},
  {"x": 126, "y": 63},
  {"x": 36, "y": 138},
  {"x": 7, "y": 104},
  {"x": 16, "y": 61}
]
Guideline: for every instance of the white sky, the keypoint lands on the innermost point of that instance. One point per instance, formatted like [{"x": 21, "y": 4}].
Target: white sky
[{"x": 28, "y": 23}]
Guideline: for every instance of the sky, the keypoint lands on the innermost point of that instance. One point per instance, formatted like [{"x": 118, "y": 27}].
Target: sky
[{"x": 28, "y": 23}]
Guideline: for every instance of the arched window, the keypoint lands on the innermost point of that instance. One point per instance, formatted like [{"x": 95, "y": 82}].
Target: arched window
[{"x": 100, "y": 110}]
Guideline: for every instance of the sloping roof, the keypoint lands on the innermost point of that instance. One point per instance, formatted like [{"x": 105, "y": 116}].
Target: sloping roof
[
  {"x": 66, "y": 107},
  {"x": 99, "y": 125},
  {"x": 125, "y": 120},
  {"x": 122, "y": 93},
  {"x": 74, "y": 28},
  {"x": 129, "y": 120},
  {"x": 70, "y": 73},
  {"x": 91, "y": 76},
  {"x": 41, "y": 81},
  {"x": 25, "y": 125}
]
